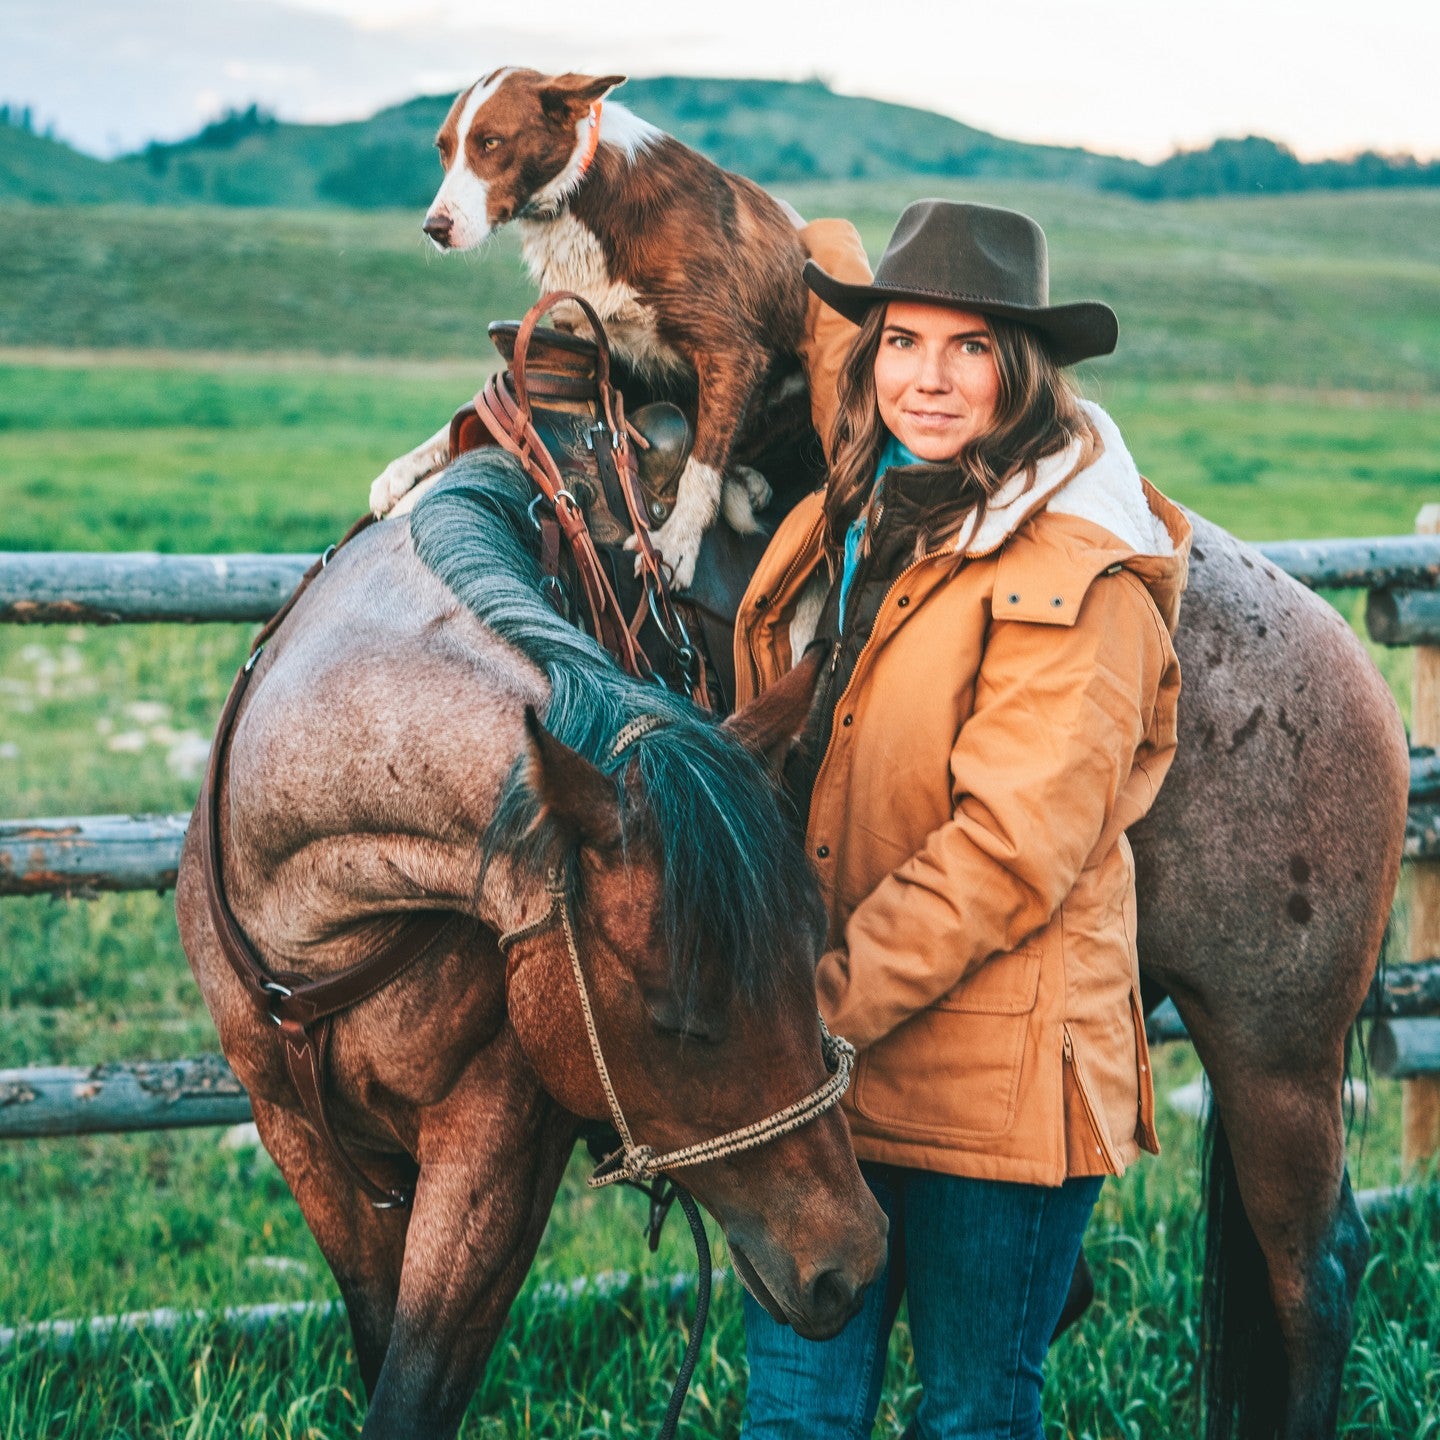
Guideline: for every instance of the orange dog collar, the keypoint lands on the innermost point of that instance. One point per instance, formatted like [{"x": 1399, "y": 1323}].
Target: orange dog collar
[{"x": 593, "y": 143}]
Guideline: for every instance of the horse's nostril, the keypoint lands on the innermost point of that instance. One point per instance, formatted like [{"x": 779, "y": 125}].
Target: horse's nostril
[
  {"x": 438, "y": 228},
  {"x": 832, "y": 1292}
]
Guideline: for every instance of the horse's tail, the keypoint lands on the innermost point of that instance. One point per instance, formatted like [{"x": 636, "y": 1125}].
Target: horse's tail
[{"x": 1245, "y": 1376}]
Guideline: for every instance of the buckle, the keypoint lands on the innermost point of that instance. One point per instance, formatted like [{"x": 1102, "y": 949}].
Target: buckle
[{"x": 280, "y": 992}]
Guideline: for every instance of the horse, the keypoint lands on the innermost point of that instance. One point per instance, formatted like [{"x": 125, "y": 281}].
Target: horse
[
  {"x": 630, "y": 934},
  {"x": 1264, "y": 875}
]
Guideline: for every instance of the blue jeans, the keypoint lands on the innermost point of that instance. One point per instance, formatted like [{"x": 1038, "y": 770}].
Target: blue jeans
[{"x": 987, "y": 1267}]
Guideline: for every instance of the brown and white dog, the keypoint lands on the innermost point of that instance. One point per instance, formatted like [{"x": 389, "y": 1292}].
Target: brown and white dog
[{"x": 693, "y": 270}]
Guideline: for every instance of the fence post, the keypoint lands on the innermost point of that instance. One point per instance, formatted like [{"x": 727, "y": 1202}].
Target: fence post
[{"x": 1420, "y": 1139}]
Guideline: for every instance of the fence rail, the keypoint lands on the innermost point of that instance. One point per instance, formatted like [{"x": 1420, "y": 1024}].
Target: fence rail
[
  {"x": 69, "y": 587},
  {"x": 110, "y": 1099},
  {"x": 88, "y": 854},
  {"x": 80, "y": 586}
]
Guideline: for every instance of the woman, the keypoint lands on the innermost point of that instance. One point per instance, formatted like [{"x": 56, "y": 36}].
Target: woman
[{"x": 994, "y": 587}]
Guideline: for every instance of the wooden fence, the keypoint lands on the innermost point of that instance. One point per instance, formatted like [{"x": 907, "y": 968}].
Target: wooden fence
[{"x": 83, "y": 856}]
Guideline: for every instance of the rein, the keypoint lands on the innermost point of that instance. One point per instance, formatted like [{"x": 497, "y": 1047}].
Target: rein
[
  {"x": 641, "y": 1167},
  {"x": 504, "y": 409},
  {"x": 638, "y": 1165}
]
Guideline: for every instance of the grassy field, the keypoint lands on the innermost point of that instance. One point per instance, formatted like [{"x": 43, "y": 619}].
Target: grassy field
[{"x": 1259, "y": 424}]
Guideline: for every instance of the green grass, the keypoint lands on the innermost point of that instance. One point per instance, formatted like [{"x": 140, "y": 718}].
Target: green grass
[
  {"x": 1322, "y": 291},
  {"x": 1262, "y": 386},
  {"x": 245, "y": 454}
]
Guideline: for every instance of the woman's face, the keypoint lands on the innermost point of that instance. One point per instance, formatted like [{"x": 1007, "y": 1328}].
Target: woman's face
[{"x": 936, "y": 384}]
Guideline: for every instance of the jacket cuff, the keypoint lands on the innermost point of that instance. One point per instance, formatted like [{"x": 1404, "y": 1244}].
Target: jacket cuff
[{"x": 833, "y": 993}]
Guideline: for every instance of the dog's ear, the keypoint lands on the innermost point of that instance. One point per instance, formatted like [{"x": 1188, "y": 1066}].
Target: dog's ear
[{"x": 566, "y": 98}]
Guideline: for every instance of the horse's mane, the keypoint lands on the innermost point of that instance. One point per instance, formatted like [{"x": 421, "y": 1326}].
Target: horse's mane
[{"x": 735, "y": 880}]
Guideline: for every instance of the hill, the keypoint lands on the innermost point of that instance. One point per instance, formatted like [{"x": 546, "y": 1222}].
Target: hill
[
  {"x": 777, "y": 132},
  {"x": 43, "y": 171},
  {"x": 1313, "y": 290}
]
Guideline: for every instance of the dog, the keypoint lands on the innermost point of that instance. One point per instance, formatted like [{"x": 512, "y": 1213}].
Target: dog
[{"x": 695, "y": 272}]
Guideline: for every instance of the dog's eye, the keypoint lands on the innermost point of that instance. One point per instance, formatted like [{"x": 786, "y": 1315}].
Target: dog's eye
[{"x": 491, "y": 142}]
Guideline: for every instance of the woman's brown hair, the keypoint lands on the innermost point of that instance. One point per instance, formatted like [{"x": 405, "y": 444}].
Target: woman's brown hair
[{"x": 1037, "y": 413}]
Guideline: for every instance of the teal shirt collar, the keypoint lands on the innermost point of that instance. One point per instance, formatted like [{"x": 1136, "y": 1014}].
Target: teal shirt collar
[{"x": 892, "y": 454}]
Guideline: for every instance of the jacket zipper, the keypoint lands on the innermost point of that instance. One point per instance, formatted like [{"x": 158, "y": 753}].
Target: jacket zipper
[{"x": 1101, "y": 1146}]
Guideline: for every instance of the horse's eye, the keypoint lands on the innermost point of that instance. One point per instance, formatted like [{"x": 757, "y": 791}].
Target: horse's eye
[
  {"x": 687, "y": 1032},
  {"x": 491, "y": 142}
]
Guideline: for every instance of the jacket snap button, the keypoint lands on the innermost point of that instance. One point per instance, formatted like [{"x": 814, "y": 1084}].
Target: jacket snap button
[
  {"x": 904, "y": 601},
  {"x": 762, "y": 601},
  {"x": 823, "y": 851},
  {"x": 1057, "y": 601},
  {"x": 1013, "y": 599},
  {"x": 847, "y": 719}
]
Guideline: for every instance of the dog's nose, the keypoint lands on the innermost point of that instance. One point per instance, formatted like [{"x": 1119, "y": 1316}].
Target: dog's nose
[{"x": 438, "y": 228}]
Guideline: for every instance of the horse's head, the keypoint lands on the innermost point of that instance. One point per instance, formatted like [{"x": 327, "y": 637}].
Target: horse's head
[{"x": 696, "y": 922}]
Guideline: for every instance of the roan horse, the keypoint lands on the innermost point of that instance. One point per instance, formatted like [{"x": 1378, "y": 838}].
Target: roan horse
[
  {"x": 386, "y": 764},
  {"x": 389, "y": 717},
  {"x": 1264, "y": 877}
]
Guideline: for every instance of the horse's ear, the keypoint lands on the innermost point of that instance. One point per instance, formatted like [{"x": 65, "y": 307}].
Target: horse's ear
[
  {"x": 573, "y": 794},
  {"x": 769, "y": 725}
]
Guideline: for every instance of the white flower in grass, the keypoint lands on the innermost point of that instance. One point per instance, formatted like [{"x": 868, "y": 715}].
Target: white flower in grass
[
  {"x": 187, "y": 756},
  {"x": 147, "y": 712}
]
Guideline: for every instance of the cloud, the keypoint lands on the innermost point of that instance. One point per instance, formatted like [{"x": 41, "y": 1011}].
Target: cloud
[
  {"x": 1132, "y": 76},
  {"x": 111, "y": 77}
]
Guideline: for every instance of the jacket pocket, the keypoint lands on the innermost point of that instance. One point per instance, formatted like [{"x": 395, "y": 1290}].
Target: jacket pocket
[
  {"x": 946, "y": 1075},
  {"x": 1003, "y": 985}
]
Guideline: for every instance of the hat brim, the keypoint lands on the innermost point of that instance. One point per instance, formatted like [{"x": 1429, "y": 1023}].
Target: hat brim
[{"x": 1080, "y": 331}]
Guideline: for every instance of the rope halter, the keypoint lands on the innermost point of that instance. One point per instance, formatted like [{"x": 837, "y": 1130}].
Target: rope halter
[{"x": 640, "y": 1162}]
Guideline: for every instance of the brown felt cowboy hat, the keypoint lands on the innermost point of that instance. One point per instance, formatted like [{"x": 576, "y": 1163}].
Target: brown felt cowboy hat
[{"x": 974, "y": 257}]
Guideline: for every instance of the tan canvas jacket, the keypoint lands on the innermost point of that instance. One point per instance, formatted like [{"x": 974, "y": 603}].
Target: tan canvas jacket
[{"x": 1010, "y": 715}]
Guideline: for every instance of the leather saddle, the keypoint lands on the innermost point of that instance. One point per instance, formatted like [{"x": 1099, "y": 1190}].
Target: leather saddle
[{"x": 562, "y": 384}]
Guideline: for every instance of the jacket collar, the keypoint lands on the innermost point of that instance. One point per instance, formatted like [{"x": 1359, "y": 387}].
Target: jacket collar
[{"x": 1108, "y": 492}]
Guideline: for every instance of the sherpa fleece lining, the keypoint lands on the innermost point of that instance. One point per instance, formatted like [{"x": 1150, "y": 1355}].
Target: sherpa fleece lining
[{"x": 1107, "y": 492}]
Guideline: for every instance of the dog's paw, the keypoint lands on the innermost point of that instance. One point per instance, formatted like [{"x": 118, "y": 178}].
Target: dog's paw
[
  {"x": 401, "y": 476},
  {"x": 678, "y": 549},
  {"x": 745, "y": 491},
  {"x": 390, "y": 484}
]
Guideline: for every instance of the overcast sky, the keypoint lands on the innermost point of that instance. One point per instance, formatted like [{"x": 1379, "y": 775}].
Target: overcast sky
[{"x": 1136, "y": 77}]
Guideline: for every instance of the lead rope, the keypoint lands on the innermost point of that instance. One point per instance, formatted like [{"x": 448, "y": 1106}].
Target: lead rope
[
  {"x": 634, "y": 1162},
  {"x": 636, "y": 1165},
  {"x": 702, "y": 1313}
]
